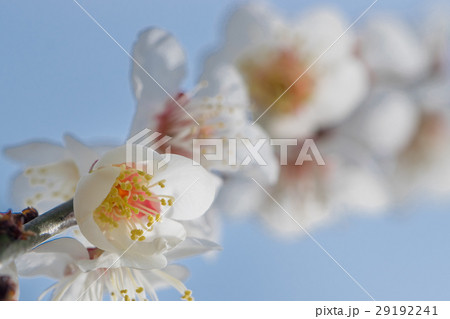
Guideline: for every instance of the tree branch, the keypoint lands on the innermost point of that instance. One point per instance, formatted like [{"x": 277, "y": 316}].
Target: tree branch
[{"x": 44, "y": 227}]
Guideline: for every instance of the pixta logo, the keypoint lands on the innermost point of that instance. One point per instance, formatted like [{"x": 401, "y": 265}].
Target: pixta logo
[{"x": 141, "y": 150}]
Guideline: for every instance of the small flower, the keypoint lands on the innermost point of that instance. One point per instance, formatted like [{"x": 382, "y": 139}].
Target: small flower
[
  {"x": 51, "y": 174},
  {"x": 124, "y": 210},
  {"x": 87, "y": 273}
]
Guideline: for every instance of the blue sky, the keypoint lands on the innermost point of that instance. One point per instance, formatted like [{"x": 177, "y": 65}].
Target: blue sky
[{"x": 60, "y": 73}]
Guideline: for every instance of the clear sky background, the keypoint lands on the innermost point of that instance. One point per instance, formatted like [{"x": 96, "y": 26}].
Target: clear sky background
[{"x": 60, "y": 73}]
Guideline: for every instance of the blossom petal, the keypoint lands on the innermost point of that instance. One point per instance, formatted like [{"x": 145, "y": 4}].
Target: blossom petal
[
  {"x": 359, "y": 190},
  {"x": 192, "y": 186},
  {"x": 92, "y": 189},
  {"x": 318, "y": 29},
  {"x": 340, "y": 92},
  {"x": 386, "y": 123},
  {"x": 53, "y": 258},
  {"x": 82, "y": 155},
  {"x": 36, "y": 153},
  {"x": 114, "y": 260},
  {"x": 44, "y": 191},
  {"x": 267, "y": 172},
  {"x": 192, "y": 247},
  {"x": 157, "y": 54},
  {"x": 248, "y": 25},
  {"x": 118, "y": 156},
  {"x": 392, "y": 50},
  {"x": 226, "y": 82},
  {"x": 165, "y": 235}
]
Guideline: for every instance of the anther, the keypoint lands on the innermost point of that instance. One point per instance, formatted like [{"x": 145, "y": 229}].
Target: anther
[{"x": 139, "y": 290}]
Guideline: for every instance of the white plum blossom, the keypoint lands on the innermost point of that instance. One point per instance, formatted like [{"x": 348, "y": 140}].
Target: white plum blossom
[
  {"x": 319, "y": 195},
  {"x": 287, "y": 67},
  {"x": 91, "y": 274},
  {"x": 136, "y": 212},
  {"x": 51, "y": 171},
  {"x": 217, "y": 109}
]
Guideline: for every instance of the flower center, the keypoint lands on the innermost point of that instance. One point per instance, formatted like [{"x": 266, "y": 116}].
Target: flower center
[
  {"x": 270, "y": 72},
  {"x": 133, "y": 202},
  {"x": 211, "y": 115}
]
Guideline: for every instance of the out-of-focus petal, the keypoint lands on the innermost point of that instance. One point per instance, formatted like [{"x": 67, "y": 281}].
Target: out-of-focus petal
[
  {"x": 392, "y": 50},
  {"x": 386, "y": 124},
  {"x": 36, "y": 153},
  {"x": 226, "y": 82},
  {"x": 82, "y": 155},
  {"x": 157, "y": 75},
  {"x": 340, "y": 91},
  {"x": 319, "y": 29}
]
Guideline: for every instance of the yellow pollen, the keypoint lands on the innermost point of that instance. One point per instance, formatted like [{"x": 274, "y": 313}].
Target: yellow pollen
[
  {"x": 187, "y": 295},
  {"x": 273, "y": 72},
  {"x": 139, "y": 290},
  {"x": 123, "y": 291},
  {"x": 127, "y": 298},
  {"x": 136, "y": 234},
  {"x": 130, "y": 200}
]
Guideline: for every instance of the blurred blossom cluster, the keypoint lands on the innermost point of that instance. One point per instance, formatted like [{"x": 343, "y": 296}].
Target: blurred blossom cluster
[{"x": 371, "y": 103}]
